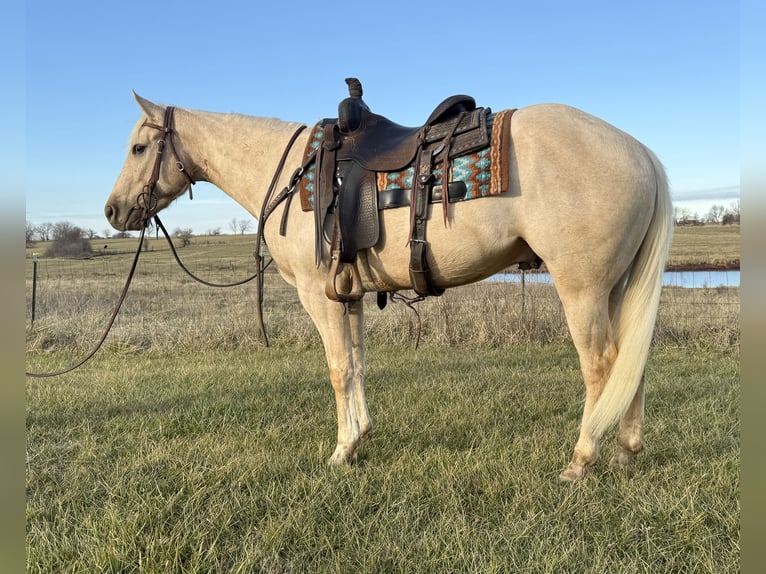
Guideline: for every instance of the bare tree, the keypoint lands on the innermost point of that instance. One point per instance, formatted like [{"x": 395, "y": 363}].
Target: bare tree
[
  {"x": 244, "y": 225},
  {"x": 715, "y": 215},
  {"x": 184, "y": 235},
  {"x": 679, "y": 214},
  {"x": 684, "y": 216},
  {"x": 68, "y": 241},
  {"x": 731, "y": 216},
  {"x": 44, "y": 230},
  {"x": 31, "y": 230},
  {"x": 66, "y": 230}
]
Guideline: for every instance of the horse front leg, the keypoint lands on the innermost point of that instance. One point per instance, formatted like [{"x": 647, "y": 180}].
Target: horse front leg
[
  {"x": 356, "y": 323},
  {"x": 346, "y": 376}
]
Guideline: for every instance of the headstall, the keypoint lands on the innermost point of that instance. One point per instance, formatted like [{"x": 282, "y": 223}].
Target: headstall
[{"x": 147, "y": 200}]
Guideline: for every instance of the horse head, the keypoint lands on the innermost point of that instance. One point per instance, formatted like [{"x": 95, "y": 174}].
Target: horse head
[{"x": 152, "y": 175}]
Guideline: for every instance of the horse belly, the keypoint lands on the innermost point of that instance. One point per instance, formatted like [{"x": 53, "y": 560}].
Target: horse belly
[{"x": 478, "y": 241}]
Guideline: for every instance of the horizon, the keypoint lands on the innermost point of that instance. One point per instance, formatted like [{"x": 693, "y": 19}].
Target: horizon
[
  {"x": 694, "y": 214},
  {"x": 697, "y": 203}
]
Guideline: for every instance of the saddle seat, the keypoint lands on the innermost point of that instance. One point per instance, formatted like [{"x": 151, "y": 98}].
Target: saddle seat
[{"x": 379, "y": 144}]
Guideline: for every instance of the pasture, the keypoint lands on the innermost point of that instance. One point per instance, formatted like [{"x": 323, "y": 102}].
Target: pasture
[
  {"x": 706, "y": 247},
  {"x": 185, "y": 446}
]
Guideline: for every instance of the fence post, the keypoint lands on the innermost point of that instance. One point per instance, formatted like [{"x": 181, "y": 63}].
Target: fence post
[
  {"x": 34, "y": 285},
  {"x": 523, "y": 291}
]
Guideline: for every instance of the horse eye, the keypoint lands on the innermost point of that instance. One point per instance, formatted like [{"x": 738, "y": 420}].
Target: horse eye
[{"x": 138, "y": 149}]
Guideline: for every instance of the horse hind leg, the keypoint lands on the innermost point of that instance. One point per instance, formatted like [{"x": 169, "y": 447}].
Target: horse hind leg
[
  {"x": 591, "y": 330},
  {"x": 630, "y": 436}
]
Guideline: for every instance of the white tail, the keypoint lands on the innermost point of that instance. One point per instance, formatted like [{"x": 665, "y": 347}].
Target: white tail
[{"x": 634, "y": 324}]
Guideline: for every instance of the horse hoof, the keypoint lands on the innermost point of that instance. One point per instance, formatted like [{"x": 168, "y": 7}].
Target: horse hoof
[
  {"x": 366, "y": 436},
  {"x": 572, "y": 473},
  {"x": 622, "y": 459},
  {"x": 342, "y": 457}
]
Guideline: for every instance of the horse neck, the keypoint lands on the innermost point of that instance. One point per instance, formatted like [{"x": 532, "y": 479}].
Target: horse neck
[{"x": 236, "y": 153}]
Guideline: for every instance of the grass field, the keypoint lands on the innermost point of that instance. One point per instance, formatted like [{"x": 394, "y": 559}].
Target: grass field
[
  {"x": 215, "y": 462},
  {"x": 707, "y": 245},
  {"x": 186, "y": 446}
]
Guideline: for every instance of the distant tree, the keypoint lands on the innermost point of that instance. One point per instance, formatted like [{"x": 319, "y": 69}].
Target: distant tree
[
  {"x": 68, "y": 241},
  {"x": 31, "y": 230},
  {"x": 244, "y": 225},
  {"x": 214, "y": 231},
  {"x": 44, "y": 230},
  {"x": 684, "y": 216},
  {"x": 123, "y": 235},
  {"x": 715, "y": 215},
  {"x": 107, "y": 233},
  {"x": 184, "y": 235},
  {"x": 680, "y": 214},
  {"x": 66, "y": 230},
  {"x": 240, "y": 225},
  {"x": 731, "y": 216}
]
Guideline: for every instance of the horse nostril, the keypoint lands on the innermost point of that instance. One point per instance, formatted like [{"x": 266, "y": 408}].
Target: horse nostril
[{"x": 109, "y": 212}]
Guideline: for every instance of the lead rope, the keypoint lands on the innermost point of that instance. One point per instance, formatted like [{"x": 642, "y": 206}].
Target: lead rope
[
  {"x": 161, "y": 227},
  {"x": 111, "y": 320}
]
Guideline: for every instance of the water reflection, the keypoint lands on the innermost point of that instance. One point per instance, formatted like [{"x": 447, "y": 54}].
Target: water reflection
[{"x": 687, "y": 279}]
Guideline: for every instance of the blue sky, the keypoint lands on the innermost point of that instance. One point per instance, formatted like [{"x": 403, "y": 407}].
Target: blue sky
[{"x": 665, "y": 72}]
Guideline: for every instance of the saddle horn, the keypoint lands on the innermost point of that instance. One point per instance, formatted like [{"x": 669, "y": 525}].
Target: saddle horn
[{"x": 351, "y": 109}]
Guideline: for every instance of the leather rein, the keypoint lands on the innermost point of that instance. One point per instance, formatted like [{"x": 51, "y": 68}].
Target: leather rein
[{"x": 147, "y": 202}]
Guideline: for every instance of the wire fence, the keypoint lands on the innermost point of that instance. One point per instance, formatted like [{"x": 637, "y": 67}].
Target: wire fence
[{"x": 73, "y": 298}]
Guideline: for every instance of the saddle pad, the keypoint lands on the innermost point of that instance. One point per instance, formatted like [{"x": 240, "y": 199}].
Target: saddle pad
[{"x": 484, "y": 172}]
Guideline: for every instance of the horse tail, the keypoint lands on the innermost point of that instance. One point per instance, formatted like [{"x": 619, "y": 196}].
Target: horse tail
[{"x": 634, "y": 322}]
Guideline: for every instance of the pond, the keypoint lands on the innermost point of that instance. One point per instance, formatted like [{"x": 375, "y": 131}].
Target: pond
[{"x": 687, "y": 279}]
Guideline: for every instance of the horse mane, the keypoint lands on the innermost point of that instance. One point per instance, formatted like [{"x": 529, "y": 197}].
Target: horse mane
[{"x": 268, "y": 123}]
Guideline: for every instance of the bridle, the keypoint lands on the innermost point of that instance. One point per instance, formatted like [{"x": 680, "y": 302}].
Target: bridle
[{"x": 147, "y": 200}]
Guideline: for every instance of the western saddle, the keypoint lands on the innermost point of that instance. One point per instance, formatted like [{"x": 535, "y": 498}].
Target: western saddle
[{"x": 360, "y": 143}]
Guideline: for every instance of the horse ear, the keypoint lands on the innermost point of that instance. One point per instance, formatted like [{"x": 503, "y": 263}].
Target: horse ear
[{"x": 151, "y": 109}]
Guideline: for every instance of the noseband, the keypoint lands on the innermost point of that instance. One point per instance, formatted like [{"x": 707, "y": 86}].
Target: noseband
[{"x": 147, "y": 200}]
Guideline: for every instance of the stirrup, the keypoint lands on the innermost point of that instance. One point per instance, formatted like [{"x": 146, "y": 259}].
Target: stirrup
[{"x": 350, "y": 282}]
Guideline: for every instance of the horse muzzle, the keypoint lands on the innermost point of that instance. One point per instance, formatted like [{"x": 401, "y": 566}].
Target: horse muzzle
[{"x": 123, "y": 220}]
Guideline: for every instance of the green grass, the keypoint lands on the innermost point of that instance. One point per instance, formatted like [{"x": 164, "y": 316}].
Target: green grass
[{"x": 216, "y": 462}]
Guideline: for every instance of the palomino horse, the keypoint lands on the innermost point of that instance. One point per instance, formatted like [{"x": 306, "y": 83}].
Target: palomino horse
[{"x": 586, "y": 198}]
